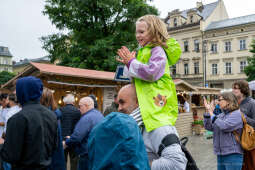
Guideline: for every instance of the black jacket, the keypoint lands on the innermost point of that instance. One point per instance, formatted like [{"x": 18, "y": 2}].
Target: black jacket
[
  {"x": 247, "y": 106},
  {"x": 70, "y": 116},
  {"x": 31, "y": 138}
]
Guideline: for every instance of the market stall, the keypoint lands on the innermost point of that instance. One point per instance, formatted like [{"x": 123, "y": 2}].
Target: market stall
[
  {"x": 80, "y": 82},
  {"x": 185, "y": 119}
]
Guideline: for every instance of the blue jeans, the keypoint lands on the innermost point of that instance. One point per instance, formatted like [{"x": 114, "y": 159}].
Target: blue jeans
[
  {"x": 83, "y": 162},
  {"x": 230, "y": 162},
  {"x": 6, "y": 166}
]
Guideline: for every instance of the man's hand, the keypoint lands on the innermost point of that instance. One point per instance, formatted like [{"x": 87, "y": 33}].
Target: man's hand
[
  {"x": 125, "y": 55},
  {"x": 1, "y": 141},
  {"x": 1, "y": 123},
  {"x": 64, "y": 145},
  {"x": 64, "y": 142}
]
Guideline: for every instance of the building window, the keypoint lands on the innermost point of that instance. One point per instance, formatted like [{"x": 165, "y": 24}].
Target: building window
[
  {"x": 175, "y": 22},
  {"x": 191, "y": 19},
  {"x": 242, "y": 45},
  {"x": 186, "y": 68},
  {"x": 196, "y": 45},
  {"x": 186, "y": 46},
  {"x": 228, "y": 68},
  {"x": 228, "y": 46},
  {"x": 196, "y": 68},
  {"x": 214, "y": 69},
  {"x": 243, "y": 64},
  {"x": 173, "y": 69},
  {"x": 5, "y": 61},
  {"x": 214, "y": 48}
]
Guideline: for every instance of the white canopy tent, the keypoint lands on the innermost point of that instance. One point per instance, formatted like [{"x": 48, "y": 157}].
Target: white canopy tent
[{"x": 252, "y": 85}]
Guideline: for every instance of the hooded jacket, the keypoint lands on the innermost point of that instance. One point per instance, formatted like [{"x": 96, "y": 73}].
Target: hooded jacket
[
  {"x": 117, "y": 144},
  {"x": 157, "y": 99},
  {"x": 31, "y": 135}
]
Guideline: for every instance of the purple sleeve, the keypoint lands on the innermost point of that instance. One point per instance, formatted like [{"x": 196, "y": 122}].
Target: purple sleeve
[
  {"x": 153, "y": 70},
  {"x": 231, "y": 123},
  {"x": 208, "y": 122}
]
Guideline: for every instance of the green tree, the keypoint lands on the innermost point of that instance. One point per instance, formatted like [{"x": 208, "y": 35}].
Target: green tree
[
  {"x": 96, "y": 29},
  {"x": 5, "y": 76},
  {"x": 250, "y": 69}
]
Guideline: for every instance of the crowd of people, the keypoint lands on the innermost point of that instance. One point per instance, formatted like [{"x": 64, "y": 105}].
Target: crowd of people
[{"x": 136, "y": 132}]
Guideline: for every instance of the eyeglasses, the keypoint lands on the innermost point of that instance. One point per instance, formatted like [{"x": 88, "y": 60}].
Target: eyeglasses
[
  {"x": 236, "y": 88},
  {"x": 220, "y": 99},
  {"x": 81, "y": 105}
]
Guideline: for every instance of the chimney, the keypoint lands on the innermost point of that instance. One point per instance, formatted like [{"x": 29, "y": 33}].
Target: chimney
[{"x": 200, "y": 6}]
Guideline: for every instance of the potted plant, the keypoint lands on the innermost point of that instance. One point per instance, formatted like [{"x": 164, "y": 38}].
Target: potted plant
[{"x": 198, "y": 126}]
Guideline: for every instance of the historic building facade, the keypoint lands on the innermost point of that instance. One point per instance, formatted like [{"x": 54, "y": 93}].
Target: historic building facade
[
  {"x": 228, "y": 44},
  {"x": 215, "y": 48},
  {"x": 5, "y": 59}
]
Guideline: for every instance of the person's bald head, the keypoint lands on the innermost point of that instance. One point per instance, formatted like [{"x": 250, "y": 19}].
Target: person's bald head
[
  {"x": 127, "y": 99},
  {"x": 86, "y": 104}
]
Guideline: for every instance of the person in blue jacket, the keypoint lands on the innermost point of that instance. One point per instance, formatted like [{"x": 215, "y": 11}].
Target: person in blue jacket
[
  {"x": 116, "y": 143},
  {"x": 90, "y": 117}
]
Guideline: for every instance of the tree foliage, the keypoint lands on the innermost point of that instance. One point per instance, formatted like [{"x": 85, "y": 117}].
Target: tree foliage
[
  {"x": 5, "y": 76},
  {"x": 250, "y": 69},
  {"x": 96, "y": 29}
]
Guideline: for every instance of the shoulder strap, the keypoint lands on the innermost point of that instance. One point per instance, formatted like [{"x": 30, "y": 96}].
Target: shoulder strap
[
  {"x": 236, "y": 134},
  {"x": 167, "y": 141},
  {"x": 244, "y": 119}
]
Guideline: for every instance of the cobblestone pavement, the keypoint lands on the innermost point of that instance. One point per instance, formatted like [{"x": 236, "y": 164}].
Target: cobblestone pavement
[{"x": 202, "y": 151}]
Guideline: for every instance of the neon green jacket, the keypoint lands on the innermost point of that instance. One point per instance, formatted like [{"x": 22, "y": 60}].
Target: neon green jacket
[{"x": 158, "y": 100}]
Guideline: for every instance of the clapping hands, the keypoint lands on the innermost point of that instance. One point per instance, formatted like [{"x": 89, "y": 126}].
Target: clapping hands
[
  {"x": 125, "y": 55},
  {"x": 209, "y": 106}
]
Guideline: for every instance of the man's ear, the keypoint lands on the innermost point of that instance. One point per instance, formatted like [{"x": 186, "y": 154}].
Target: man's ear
[{"x": 136, "y": 102}]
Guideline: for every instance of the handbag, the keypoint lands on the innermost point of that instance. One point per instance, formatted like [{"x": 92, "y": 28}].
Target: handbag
[{"x": 247, "y": 138}]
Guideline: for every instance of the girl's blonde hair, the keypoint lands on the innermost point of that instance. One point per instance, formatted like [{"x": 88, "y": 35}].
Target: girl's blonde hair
[{"x": 156, "y": 28}]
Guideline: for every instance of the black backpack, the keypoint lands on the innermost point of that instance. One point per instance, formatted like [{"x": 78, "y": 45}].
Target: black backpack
[{"x": 173, "y": 139}]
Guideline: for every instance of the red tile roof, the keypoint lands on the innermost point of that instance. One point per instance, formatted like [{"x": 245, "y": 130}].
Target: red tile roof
[{"x": 74, "y": 72}]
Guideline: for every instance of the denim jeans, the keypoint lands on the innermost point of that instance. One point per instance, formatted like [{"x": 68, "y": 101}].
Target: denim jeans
[
  {"x": 230, "y": 162},
  {"x": 83, "y": 162},
  {"x": 6, "y": 166}
]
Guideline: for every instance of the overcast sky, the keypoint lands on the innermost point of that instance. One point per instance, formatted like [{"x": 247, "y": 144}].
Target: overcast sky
[{"x": 22, "y": 22}]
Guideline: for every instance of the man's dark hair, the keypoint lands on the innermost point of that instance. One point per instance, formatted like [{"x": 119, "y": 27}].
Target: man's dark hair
[
  {"x": 13, "y": 98},
  {"x": 243, "y": 86},
  {"x": 93, "y": 97},
  {"x": 3, "y": 96}
]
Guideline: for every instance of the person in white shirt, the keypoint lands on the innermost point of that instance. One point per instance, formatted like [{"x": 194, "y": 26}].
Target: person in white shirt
[
  {"x": 4, "y": 102},
  {"x": 186, "y": 106},
  {"x": 14, "y": 108}
]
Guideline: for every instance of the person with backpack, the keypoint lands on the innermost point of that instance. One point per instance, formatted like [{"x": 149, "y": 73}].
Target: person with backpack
[
  {"x": 228, "y": 150},
  {"x": 161, "y": 153},
  {"x": 247, "y": 106}
]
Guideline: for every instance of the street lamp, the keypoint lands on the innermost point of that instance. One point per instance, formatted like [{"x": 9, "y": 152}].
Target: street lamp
[{"x": 204, "y": 49}]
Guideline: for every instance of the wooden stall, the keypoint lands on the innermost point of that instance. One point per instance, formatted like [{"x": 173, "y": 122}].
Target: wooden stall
[
  {"x": 185, "y": 119},
  {"x": 80, "y": 82},
  {"x": 197, "y": 99}
]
